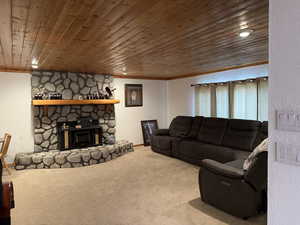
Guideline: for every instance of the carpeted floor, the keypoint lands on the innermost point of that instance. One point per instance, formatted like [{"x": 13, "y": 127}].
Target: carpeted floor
[{"x": 139, "y": 188}]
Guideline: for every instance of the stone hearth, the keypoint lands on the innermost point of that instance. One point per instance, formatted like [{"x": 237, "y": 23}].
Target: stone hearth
[{"x": 72, "y": 158}]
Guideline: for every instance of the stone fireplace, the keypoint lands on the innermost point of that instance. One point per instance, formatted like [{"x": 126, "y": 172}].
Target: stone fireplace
[
  {"x": 92, "y": 127},
  {"x": 71, "y": 86}
]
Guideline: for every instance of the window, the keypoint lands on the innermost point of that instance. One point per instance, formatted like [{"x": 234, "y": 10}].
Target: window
[
  {"x": 203, "y": 100},
  {"x": 246, "y": 99}
]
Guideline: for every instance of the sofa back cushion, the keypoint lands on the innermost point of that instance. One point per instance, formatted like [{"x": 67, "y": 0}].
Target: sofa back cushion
[
  {"x": 181, "y": 126},
  {"x": 264, "y": 130},
  {"x": 263, "y": 133},
  {"x": 197, "y": 122},
  {"x": 241, "y": 134},
  {"x": 212, "y": 130}
]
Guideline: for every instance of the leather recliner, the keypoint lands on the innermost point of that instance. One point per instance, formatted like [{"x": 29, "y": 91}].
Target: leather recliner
[
  {"x": 228, "y": 187},
  {"x": 162, "y": 140}
]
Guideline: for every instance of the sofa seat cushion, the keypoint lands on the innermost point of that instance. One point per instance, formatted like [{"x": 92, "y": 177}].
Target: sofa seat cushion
[
  {"x": 241, "y": 134},
  {"x": 240, "y": 154},
  {"x": 200, "y": 151},
  {"x": 238, "y": 164},
  {"x": 162, "y": 144},
  {"x": 191, "y": 148},
  {"x": 181, "y": 126},
  {"x": 212, "y": 130}
]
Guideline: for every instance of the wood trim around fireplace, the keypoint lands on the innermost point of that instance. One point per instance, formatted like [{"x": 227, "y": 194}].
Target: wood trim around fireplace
[
  {"x": 74, "y": 102},
  {"x": 46, "y": 103}
]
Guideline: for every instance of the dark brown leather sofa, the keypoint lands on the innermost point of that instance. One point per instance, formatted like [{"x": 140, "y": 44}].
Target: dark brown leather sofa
[{"x": 220, "y": 147}]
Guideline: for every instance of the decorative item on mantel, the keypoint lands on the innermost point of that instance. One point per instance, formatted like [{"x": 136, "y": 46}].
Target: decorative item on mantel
[
  {"x": 43, "y": 95},
  {"x": 51, "y": 96}
]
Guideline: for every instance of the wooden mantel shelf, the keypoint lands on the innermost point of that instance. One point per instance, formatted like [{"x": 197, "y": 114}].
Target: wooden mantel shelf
[{"x": 74, "y": 102}]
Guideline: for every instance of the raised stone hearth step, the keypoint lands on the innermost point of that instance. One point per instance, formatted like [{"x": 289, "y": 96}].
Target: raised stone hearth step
[{"x": 72, "y": 158}]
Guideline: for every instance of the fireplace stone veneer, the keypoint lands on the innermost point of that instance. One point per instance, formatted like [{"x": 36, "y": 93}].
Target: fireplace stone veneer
[
  {"x": 71, "y": 86},
  {"x": 72, "y": 158}
]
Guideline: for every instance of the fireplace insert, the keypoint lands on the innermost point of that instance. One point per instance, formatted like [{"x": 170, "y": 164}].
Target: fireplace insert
[{"x": 82, "y": 133}]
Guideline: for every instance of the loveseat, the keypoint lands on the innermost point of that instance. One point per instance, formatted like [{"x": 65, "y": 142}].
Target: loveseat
[{"x": 220, "y": 146}]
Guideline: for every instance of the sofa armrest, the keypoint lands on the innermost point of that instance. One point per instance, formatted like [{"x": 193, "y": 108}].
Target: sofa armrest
[
  {"x": 161, "y": 132},
  {"x": 257, "y": 174},
  {"x": 222, "y": 169}
]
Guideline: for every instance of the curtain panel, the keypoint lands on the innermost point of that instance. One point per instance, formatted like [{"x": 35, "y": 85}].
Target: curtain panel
[
  {"x": 203, "y": 100},
  {"x": 222, "y": 101}
]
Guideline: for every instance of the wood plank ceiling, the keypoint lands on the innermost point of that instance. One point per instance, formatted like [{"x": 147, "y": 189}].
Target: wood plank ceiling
[{"x": 157, "y": 38}]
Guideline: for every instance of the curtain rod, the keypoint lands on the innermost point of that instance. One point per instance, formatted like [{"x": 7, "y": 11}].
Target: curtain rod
[{"x": 234, "y": 81}]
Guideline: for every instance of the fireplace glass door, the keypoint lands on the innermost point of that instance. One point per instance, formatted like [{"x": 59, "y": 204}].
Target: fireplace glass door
[{"x": 82, "y": 138}]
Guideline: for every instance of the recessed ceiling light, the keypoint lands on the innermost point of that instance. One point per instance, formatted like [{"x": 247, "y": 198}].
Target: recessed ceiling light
[
  {"x": 245, "y": 33},
  {"x": 34, "y": 61}
]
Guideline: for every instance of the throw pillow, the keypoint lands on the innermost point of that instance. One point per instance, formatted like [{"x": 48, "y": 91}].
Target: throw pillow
[{"x": 263, "y": 146}]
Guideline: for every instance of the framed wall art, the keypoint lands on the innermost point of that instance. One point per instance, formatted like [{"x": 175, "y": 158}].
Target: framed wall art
[{"x": 133, "y": 95}]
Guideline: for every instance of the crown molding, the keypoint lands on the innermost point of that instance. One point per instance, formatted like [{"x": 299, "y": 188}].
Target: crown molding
[
  {"x": 12, "y": 70},
  {"x": 139, "y": 77},
  {"x": 216, "y": 71},
  {"x": 157, "y": 78}
]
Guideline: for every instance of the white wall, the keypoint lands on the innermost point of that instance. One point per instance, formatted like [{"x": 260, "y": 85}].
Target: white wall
[
  {"x": 180, "y": 94},
  {"x": 163, "y": 100},
  {"x": 15, "y": 111},
  {"x": 128, "y": 119},
  {"x": 284, "y": 92}
]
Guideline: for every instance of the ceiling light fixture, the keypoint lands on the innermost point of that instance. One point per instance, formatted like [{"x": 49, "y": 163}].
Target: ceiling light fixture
[
  {"x": 34, "y": 63},
  {"x": 245, "y": 33}
]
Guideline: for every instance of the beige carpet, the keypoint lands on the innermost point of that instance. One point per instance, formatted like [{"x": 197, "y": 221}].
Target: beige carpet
[{"x": 138, "y": 188}]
